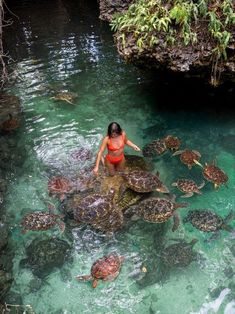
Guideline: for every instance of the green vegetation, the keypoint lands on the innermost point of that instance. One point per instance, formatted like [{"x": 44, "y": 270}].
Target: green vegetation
[{"x": 176, "y": 21}]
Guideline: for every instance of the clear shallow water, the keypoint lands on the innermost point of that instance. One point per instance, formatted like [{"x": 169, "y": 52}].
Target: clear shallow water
[{"x": 75, "y": 52}]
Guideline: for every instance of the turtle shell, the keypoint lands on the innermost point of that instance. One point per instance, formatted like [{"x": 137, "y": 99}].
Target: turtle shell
[
  {"x": 156, "y": 209},
  {"x": 215, "y": 174},
  {"x": 93, "y": 207},
  {"x": 172, "y": 142},
  {"x": 81, "y": 154},
  {"x": 179, "y": 254},
  {"x": 143, "y": 181},
  {"x": 187, "y": 185},
  {"x": 10, "y": 124},
  {"x": 39, "y": 221},
  {"x": 204, "y": 220},
  {"x": 188, "y": 156},
  {"x": 106, "y": 266},
  {"x": 156, "y": 147},
  {"x": 59, "y": 185}
]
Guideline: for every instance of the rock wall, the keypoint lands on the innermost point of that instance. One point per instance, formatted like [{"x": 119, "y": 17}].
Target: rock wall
[
  {"x": 109, "y": 7},
  {"x": 192, "y": 59}
]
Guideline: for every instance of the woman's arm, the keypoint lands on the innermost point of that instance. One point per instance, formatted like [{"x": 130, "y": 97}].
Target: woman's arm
[
  {"x": 100, "y": 154},
  {"x": 130, "y": 144}
]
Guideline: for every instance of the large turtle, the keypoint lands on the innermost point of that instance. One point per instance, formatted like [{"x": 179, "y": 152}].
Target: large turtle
[
  {"x": 156, "y": 147},
  {"x": 60, "y": 186},
  {"x": 208, "y": 221},
  {"x": 39, "y": 220},
  {"x": 188, "y": 157},
  {"x": 188, "y": 187},
  {"x": 159, "y": 210},
  {"x": 99, "y": 211},
  {"x": 179, "y": 254},
  {"x": 105, "y": 268},
  {"x": 213, "y": 174},
  {"x": 144, "y": 182},
  {"x": 172, "y": 142},
  {"x": 65, "y": 96},
  {"x": 10, "y": 124}
]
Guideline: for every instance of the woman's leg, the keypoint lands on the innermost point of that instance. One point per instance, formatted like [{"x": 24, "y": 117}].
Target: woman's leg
[
  {"x": 110, "y": 167},
  {"x": 121, "y": 165}
]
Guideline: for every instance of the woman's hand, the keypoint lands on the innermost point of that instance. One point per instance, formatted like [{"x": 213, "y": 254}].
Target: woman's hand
[
  {"x": 136, "y": 148},
  {"x": 95, "y": 170}
]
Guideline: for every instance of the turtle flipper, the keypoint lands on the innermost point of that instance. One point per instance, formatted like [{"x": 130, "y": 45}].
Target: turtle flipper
[
  {"x": 84, "y": 277},
  {"x": 62, "y": 226},
  {"x": 176, "y": 220},
  {"x": 189, "y": 194},
  {"x": 111, "y": 276},
  {"x": 198, "y": 163},
  {"x": 229, "y": 217},
  {"x": 201, "y": 185},
  {"x": 197, "y": 153},
  {"x": 178, "y": 152},
  {"x": 94, "y": 283}
]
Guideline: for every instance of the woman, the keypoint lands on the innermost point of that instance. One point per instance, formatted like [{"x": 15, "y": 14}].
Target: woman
[{"x": 114, "y": 141}]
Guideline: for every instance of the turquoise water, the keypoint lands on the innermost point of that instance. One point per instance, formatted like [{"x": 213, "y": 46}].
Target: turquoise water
[{"x": 75, "y": 53}]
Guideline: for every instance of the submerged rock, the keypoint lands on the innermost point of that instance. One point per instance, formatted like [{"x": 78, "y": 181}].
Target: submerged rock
[{"x": 5, "y": 283}]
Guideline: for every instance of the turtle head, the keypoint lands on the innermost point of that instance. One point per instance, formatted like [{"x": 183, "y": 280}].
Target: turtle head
[{"x": 162, "y": 189}]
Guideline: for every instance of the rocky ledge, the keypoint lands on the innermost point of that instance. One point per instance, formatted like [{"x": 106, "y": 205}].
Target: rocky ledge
[{"x": 197, "y": 58}]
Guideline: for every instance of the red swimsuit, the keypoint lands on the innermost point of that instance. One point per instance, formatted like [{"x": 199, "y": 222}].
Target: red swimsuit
[{"x": 115, "y": 159}]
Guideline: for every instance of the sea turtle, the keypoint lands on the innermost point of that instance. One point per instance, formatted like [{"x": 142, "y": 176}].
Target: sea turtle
[
  {"x": 81, "y": 154},
  {"x": 65, "y": 96},
  {"x": 213, "y": 174},
  {"x": 10, "y": 124},
  {"x": 156, "y": 147},
  {"x": 188, "y": 187},
  {"x": 39, "y": 220},
  {"x": 144, "y": 182},
  {"x": 128, "y": 198},
  {"x": 99, "y": 211},
  {"x": 188, "y": 157},
  {"x": 44, "y": 254},
  {"x": 158, "y": 210},
  {"x": 105, "y": 268},
  {"x": 60, "y": 186},
  {"x": 208, "y": 221},
  {"x": 179, "y": 254},
  {"x": 172, "y": 142}
]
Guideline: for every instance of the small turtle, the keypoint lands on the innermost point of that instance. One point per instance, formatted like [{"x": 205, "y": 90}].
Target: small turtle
[
  {"x": 60, "y": 186},
  {"x": 179, "y": 254},
  {"x": 10, "y": 124},
  {"x": 159, "y": 210},
  {"x": 156, "y": 147},
  {"x": 213, "y": 174},
  {"x": 144, "y": 182},
  {"x": 65, "y": 96},
  {"x": 208, "y": 221},
  {"x": 172, "y": 142},
  {"x": 106, "y": 268},
  {"x": 188, "y": 187},
  {"x": 188, "y": 157},
  {"x": 39, "y": 220}
]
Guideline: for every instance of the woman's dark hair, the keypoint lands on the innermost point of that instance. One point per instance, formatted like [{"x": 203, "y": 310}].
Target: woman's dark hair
[{"x": 114, "y": 127}]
